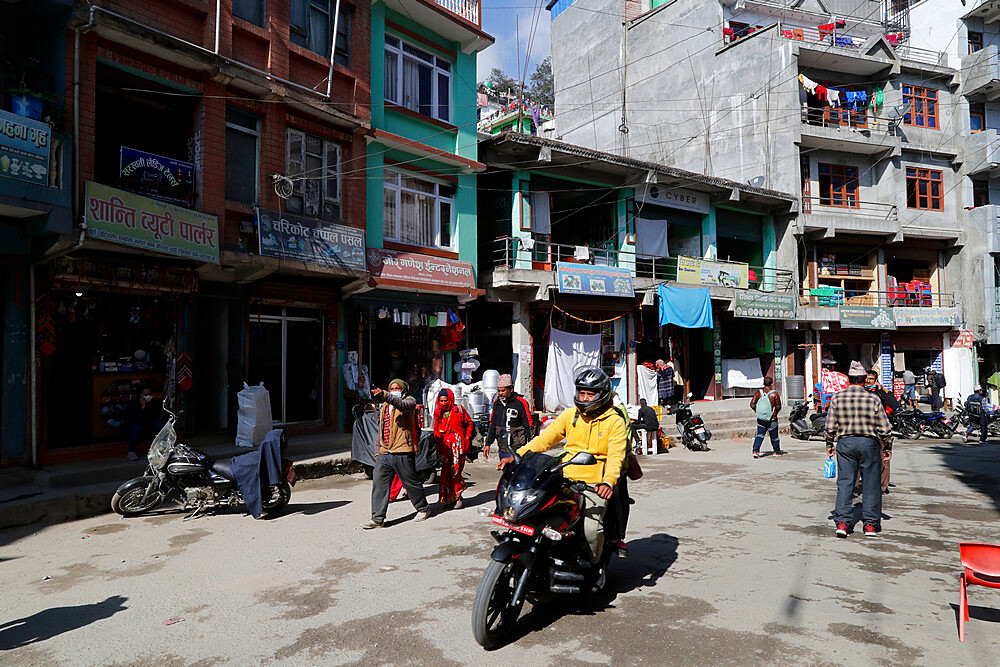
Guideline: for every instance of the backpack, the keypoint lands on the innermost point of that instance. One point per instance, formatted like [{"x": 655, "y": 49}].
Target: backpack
[
  {"x": 764, "y": 408},
  {"x": 940, "y": 381}
]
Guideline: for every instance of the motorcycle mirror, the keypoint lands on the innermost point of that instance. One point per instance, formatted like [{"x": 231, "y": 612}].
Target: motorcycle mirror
[
  {"x": 690, "y": 394},
  {"x": 579, "y": 459}
]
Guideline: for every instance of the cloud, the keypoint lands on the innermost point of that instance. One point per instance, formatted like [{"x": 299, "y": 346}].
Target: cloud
[{"x": 503, "y": 54}]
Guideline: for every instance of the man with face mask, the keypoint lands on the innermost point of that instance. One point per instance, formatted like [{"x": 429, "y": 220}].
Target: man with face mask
[
  {"x": 398, "y": 437},
  {"x": 510, "y": 413}
]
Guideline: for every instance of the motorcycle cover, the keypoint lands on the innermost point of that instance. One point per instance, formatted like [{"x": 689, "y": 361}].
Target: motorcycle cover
[
  {"x": 365, "y": 439},
  {"x": 257, "y": 469}
]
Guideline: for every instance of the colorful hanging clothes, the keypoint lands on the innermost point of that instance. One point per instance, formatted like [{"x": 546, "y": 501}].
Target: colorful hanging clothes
[
  {"x": 808, "y": 84},
  {"x": 453, "y": 429},
  {"x": 821, "y": 93},
  {"x": 833, "y": 97},
  {"x": 851, "y": 100}
]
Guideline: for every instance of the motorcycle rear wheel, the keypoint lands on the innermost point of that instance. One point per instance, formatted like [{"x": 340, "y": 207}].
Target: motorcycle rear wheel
[
  {"x": 128, "y": 499},
  {"x": 493, "y": 616},
  {"x": 909, "y": 430},
  {"x": 280, "y": 495}
]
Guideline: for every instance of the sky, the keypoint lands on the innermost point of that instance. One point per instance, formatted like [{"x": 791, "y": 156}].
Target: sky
[{"x": 499, "y": 21}]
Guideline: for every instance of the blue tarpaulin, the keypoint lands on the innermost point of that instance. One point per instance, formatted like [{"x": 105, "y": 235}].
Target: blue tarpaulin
[{"x": 688, "y": 308}]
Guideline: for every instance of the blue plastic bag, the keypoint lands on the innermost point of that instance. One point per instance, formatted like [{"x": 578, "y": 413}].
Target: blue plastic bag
[{"x": 830, "y": 468}]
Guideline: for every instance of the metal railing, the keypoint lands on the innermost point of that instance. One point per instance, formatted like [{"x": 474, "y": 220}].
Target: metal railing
[
  {"x": 466, "y": 9},
  {"x": 512, "y": 252},
  {"x": 849, "y": 205},
  {"x": 828, "y": 296},
  {"x": 916, "y": 54}
]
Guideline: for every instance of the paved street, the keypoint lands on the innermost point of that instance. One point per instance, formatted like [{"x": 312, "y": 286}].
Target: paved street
[{"x": 732, "y": 561}]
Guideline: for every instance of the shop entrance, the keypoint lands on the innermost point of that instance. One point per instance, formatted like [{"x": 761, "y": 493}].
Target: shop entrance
[
  {"x": 286, "y": 354},
  {"x": 749, "y": 345}
]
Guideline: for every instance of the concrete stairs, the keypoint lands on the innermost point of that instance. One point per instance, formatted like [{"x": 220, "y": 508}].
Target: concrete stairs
[{"x": 729, "y": 419}]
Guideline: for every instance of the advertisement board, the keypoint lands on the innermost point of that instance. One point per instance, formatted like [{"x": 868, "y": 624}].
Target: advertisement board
[
  {"x": 692, "y": 271},
  {"x": 24, "y": 148},
  {"x": 288, "y": 236},
  {"x": 589, "y": 279}
]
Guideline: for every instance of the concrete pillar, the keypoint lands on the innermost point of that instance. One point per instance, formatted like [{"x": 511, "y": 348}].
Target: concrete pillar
[
  {"x": 520, "y": 337},
  {"x": 709, "y": 245}
]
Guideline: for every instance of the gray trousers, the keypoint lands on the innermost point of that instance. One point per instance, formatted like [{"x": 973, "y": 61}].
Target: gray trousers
[
  {"x": 386, "y": 467},
  {"x": 854, "y": 453}
]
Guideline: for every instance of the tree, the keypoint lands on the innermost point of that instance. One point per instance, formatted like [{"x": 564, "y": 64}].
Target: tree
[
  {"x": 501, "y": 82},
  {"x": 541, "y": 88}
]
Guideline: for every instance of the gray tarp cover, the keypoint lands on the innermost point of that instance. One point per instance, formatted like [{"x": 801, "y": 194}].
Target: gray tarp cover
[{"x": 364, "y": 443}]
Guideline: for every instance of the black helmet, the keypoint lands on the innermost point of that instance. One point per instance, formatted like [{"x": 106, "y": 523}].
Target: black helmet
[{"x": 595, "y": 380}]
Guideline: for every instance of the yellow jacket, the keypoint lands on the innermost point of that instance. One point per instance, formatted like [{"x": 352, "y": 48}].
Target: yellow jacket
[{"x": 604, "y": 436}]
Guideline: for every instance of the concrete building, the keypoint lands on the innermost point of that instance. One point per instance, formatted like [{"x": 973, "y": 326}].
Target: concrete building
[{"x": 748, "y": 90}]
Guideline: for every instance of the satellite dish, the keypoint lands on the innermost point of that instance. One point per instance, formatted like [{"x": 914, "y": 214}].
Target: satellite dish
[{"x": 898, "y": 112}]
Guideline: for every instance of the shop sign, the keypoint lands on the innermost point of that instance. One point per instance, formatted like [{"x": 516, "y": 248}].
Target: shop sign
[
  {"x": 24, "y": 148},
  {"x": 961, "y": 338},
  {"x": 420, "y": 270},
  {"x": 156, "y": 176},
  {"x": 687, "y": 200},
  {"x": 590, "y": 279},
  {"x": 778, "y": 355},
  {"x": 691, "y": 271},
  {"x": 137, "y": 221},
  {"x": 99, "y": 273},
  {"x": 927, "y": 317},
  {"x": 764, "y": 305},
  {"x": 866, "y": 317},
  {"x": 288, "y": 236}
]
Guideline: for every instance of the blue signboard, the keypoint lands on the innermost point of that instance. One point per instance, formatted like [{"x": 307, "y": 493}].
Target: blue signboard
[
  {"x": 24, "y": 148},
  {"x": 157, "y": 177},
  {"x": 590, "y": 279},
  {"x": 288, "y": 236}
]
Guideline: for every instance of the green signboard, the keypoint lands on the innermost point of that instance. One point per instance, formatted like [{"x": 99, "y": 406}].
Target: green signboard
[
  {"x": 764, "y": 305},
  {"x": 137, "y": 221},
  {"x": 866, "y": 317}
]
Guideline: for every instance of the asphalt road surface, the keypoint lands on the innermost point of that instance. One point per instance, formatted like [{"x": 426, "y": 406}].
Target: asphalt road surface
[{"x": 732, "y": 561}]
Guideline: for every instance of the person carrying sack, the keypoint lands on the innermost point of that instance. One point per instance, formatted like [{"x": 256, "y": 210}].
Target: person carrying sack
[{"x": 766, "y": 404}]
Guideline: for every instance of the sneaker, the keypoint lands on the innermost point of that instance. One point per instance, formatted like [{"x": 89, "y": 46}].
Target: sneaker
[
  {"x": 368, "y": 525},
  {"x": 870, "y": 530},
  {"x": 780, "y": 452},
  {"x": 423, "y": 516},
  {"x": 841, "y": 529},
  {"x": 756, "y": 455},
  {"x": 132, "y": 456}
]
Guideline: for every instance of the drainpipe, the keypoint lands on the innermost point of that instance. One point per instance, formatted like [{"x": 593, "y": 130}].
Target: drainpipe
[
  {"x": 333, "y": 48},
  {"x": 218, "y": 16}
]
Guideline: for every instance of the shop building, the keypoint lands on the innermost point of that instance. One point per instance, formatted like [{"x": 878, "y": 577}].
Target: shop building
[
  {"x": 219, "y": 228},
  {"x": 580, "y": 243}
]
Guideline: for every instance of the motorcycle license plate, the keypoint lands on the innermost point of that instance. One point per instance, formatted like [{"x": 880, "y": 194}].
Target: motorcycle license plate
[
  {"x": 699, "y": 430},
  {"x": 524, "y": 530},
  {"x": 947, "y": 421}
]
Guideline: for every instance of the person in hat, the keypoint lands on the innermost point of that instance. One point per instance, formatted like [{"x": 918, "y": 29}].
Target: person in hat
[
  {"x": 509, "y": 415},
  {"x": 858, "y": 432},
  {"x": 398, "y": 437},
  {"x": 453, "y": 429},
  {"x": 665, "y": 381},
  {"x": 978, "y": 408}
]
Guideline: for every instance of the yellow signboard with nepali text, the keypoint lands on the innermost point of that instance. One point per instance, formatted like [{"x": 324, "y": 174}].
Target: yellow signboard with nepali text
[
  {"x": 133, "y": 220},
  {"x": 692, "y": 271}
]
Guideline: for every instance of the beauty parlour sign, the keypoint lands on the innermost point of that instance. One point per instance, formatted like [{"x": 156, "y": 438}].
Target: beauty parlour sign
[{"x": 140, "y": 222}]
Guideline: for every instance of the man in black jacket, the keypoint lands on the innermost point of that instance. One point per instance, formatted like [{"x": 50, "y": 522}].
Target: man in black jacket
[
  {"x": 648, "y": 422},
  {"x": 511, "y": 413}
]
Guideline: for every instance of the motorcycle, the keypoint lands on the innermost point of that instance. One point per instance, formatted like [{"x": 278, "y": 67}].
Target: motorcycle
[
  {"x": 904, "y": 421},
  {"x": 694, "y": 434},
  {"x": 799, "y": 427},
  {"x": 540, "y": 554},
  {"x": 182, "y": 474},
  {"x": 936, "y": 423}
]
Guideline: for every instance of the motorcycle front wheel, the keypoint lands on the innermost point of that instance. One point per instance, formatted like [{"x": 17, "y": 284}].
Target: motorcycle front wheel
[
  {"x": 493, "y": 613},
  {"x": 280, "y": 495},
  {"x": 131, "y": 498}
]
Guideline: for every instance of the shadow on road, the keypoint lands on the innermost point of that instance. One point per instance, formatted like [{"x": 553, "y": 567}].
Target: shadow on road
[
  {"x": 55, "y": 621},
  {"x": 309, "y": 509},
  {"x": 976, "y": 466},
  {"x": 976, "y": 613}
]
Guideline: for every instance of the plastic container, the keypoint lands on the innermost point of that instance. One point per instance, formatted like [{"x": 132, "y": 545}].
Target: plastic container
[
  {"x": 489, "y": 385},
  {"x": 830, "y": 468},
  {"x": 796, "y": 385}
]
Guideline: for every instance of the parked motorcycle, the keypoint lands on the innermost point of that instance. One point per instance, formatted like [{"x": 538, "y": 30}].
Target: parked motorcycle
[
  {"x": 182, "y": 474},
  {"x": 936, "y": 423},
  {"x": 694, "y": 434},
  {"x": 801, "y": 428},
  {"x": 541, "y": 553},
  {"x": 905, "y": 422}
]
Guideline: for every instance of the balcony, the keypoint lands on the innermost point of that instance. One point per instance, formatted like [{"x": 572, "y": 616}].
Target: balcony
[
  {"x": 847, "y": 131},
  {"x": 982, "y": 152},
  {"x": 851, "y": 216},
  {"x": 908, "y": 310},
  {"x": 981, "y": 72},
  {"x": 456, "y": 20},
  {"x": 987, "y": 10}
]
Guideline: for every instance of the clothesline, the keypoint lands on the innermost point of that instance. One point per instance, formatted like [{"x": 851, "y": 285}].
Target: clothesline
[{"x": 842, "y": 98}]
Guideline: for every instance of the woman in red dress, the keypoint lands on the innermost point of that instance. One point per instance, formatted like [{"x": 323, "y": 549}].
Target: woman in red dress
[{"x": 453, "y": 429}]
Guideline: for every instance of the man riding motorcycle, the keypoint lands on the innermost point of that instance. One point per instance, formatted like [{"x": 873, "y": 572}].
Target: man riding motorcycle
[{"x": 595, "y": 427}]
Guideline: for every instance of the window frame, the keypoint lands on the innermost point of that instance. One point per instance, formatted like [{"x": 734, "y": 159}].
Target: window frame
[
  {"x": 977, "y": 110},
  {"x": 236, "y": 127},
  {"x": 976, "y": 42},
  {"x": 917, "y": 175},
  {"x": 397, "y": 53},
  {"x": 921, "y": 98},
  {"x": 261, "y": 6},
  {"x": 438, "y": 200},
  {"x": 298, "y": 33},
  {"x": 843, "y": 197},
  {"x": 299, "y": 188}
]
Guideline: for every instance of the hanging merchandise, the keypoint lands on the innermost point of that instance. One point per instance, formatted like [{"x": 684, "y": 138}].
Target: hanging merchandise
[
  {"x": 45, "y": 328},
  {"x": 185, "y": 378}
]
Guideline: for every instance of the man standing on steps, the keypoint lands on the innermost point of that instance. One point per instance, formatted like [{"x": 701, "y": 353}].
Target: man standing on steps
[
  {"x": 766, "y": 404},
  {"x": 857, "y": 431}
]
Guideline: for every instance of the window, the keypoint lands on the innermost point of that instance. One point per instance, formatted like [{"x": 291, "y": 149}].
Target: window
[
  {"x": 980, "y": 193},
  {"x": 317, "y": 194},
  {"x": 838, "y": 186},
  {"x": 417, "y": 80},
  {"x": 975, "y": 41},
  {"x": 924, "y": 189},
  {"x": 251, "y": 10},
  {"x": 417, "y": 211},
  {"x": 923, "y": 107},
  {"x": 311, "y": 24},
  {"x": 977, "y": 117},
  {"x": 242, "y": 135},
  {"x": 286, "y": 354}
]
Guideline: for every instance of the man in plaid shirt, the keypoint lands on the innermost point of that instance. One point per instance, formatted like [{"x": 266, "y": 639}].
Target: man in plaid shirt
[{"x": 857, "y": 430}]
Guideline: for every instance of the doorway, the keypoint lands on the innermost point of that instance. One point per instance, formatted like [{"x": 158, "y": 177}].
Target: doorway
[{"x": 286, "y": 354}]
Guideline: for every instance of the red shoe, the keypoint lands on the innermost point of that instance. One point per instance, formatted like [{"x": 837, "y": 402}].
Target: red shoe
[
  {"x": 870, "y": 530},
  {"x": 842, "y": 529}
]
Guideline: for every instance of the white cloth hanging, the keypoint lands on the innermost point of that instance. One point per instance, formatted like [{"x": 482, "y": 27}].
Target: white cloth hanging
[
  {"x": 808, "y": 84},
  {"x": 833, "y": 97},
  {"x": 568, "y": 355},
  {"x": 744, "y": 373},
  {"x": 651, "y": 238},
  {"x": 528, "y": 243},
  {"x": 647, "y": 385},
  {"x": 581, "y": 253}
]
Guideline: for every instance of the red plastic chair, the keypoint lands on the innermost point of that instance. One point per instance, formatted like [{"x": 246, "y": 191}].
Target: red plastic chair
[{"x": 982, "y": 568}]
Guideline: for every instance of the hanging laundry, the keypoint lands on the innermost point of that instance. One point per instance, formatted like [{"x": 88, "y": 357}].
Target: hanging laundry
[
  {"x": 536, "y": 116},
  {"x": 851, "y": 100},
  {"x": 581, "y": 253},
  {"x": 821, "y": 93},
  {"x": 825, "y": 29},
  {"x": 833, "y": 96},
  {"x": 862, "y": 98},
  {"x": 808, "y": 84}
]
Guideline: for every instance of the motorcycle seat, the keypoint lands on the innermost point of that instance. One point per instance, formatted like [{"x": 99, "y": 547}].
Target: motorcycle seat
[{"x": 224, "y": 467}]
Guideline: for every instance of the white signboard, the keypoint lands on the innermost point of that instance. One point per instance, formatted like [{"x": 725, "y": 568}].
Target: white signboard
[{"x": 688, "y": 200}]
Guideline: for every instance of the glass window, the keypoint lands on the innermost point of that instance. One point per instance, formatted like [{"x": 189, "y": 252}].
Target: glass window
[
  {"x": 250, "y": 10},
  {"x": 242, "y": 137},
  {"x": 417, "y": 80},
  {"x": 313, "y": 164},
  {"x": 924, "y": 189},
  {"x": 923, "y": 110},
  {"x": 417, "y": 211},
  {"x": 975, "y": 41},
  {"x": 977, "y": 117},
  {"x": 838, "y": 186},
  {"x": 311, "y": 24}
]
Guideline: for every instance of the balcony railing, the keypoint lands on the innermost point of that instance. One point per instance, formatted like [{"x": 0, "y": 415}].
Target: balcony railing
[
  {"x": 466, "y": 9},
  {"x": 833, "y": 297},
  {"x": 511, "y": 252},
  {"x": 845, "y": 118},
  {"x": 849, "y": 205}
]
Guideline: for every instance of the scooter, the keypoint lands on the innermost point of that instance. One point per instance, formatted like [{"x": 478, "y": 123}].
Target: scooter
[
  {"x": 694, "y": 434},
  {"x": 802, "y": 429}
]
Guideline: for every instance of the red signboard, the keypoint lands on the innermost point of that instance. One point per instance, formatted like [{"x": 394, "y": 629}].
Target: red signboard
[
  {"x": 395, "y": 268},
  {"x": 961, "y": 339}
]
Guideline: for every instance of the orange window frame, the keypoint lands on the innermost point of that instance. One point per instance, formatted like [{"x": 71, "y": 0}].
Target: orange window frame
[
  {"x": 838, "y": 186},
  {"x": 923, "y": 107},
  {"x": 924, "y": 189}
]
